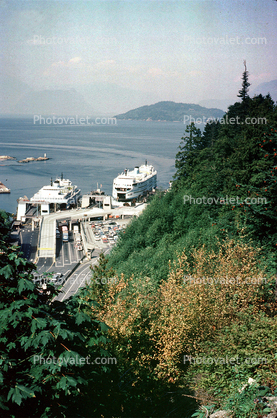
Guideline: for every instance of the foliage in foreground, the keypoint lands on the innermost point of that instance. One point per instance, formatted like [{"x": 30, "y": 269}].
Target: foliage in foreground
[
  {"x": 163, "y": 315},
  {"x": 35, "y": 332},
  {"x": 213, "y": 305}
]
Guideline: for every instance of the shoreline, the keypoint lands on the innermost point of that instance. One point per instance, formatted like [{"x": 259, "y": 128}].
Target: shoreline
[
  {"x": 30, "y": 159},
  {"x": 24, "y": 160},
  {"x": 6, "y": 157}
]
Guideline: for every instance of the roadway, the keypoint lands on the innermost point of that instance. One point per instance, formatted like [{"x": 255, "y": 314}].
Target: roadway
[
  {"x": 28, "y": 240},
  {"x": 66, "y": 258},
  {"x": 67, "y": 261},
  {"x": 79, "y": 277}
]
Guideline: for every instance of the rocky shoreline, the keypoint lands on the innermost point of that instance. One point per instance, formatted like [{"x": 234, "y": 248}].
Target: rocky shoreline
[
  {"x": 29, "y": 159},
  {"x": 25, "y": 160},
  {"x": 6, "y": 157}
]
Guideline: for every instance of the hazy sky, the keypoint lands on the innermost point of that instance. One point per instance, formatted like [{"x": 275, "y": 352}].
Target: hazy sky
[{"x": 175, "y": 50}]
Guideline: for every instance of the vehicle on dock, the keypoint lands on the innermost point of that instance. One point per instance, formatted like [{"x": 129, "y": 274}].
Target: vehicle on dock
[
  {"x": 65, "y": 233},
  {"x": 78, "y": 238},
  {"x": 57, "y": 279}
]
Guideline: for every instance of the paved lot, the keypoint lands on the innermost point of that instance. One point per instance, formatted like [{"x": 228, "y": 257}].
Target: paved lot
[
  {"x": 70, "y": 263},
  {"x": 47, "y": 242},
  {"x": 66, "y": 252}
]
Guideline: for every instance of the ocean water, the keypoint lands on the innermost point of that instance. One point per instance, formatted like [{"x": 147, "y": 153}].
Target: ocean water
[{"x": 85, "y": 154}]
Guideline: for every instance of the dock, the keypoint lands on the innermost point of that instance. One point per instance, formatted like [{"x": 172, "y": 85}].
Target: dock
[
  {"x": 4, "y": 189},
  {"x": 47, "y": 235}
]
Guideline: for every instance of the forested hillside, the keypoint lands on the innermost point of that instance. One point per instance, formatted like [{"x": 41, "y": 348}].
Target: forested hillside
[
  {"x": 198, "y": 269},
  {"x": 231, "y": 160},
  {"x": 171, "y": 111},
  {"x": 190, "y": 315}
]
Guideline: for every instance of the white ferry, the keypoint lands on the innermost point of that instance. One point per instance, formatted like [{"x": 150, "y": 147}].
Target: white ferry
[
  {"x": 132, "y": 184},
  {"x": 60, "y": 192}
]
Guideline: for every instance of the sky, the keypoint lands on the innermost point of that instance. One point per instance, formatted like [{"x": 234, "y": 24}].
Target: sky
[{"x": 145, "y": 50}]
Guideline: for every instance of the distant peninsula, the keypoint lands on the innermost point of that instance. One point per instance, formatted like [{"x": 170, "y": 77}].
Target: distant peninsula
[{"x": 172, "y": 112}]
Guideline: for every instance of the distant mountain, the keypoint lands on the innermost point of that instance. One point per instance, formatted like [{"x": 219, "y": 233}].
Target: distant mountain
[
  {"x": 265, "y": 88},
  {"x": 48, "y": 102},
  {"x": 171, "y": 111}
]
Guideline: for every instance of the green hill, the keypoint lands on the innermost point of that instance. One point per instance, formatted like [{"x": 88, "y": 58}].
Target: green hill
[
  {"x": 197, "y": 270},
  {"x": 232, "y": 160},
  {"x": 172, "y": 112},
  {"x": 190, "y": 319}
]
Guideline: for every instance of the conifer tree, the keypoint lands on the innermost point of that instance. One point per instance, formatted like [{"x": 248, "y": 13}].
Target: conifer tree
[
  {"x": 243, "y": 93},
  {"x": 185, "y": 158}
]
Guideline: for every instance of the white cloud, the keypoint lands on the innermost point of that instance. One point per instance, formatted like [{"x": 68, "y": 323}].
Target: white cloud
[{"x": 75, "y": 60}]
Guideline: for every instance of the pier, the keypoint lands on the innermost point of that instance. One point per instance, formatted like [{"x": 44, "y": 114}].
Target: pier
[{"x": 47, "y": 235}]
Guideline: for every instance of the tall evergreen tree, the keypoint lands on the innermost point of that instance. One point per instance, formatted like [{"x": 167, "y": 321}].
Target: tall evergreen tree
[
  {"x": 243, "y": 93},
  {"x": 185, "y": 158}
]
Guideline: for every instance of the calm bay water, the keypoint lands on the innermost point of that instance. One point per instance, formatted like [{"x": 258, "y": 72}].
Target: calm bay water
[{"x": 84, "y": 154}]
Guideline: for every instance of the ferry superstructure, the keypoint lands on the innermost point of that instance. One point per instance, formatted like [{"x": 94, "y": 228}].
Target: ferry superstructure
[
  {"x": 58, "y": 192},
  {"x": 132, "y": 184}
]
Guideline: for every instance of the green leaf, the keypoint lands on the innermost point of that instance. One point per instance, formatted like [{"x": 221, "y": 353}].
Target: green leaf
[
  {"x": 14, "y": 393},
  {"x": 104, "y": 327},
  {"x": 6, "y": 271},
  {"x": 81, "y": 317},
  {"x": 26, "y": 391}
]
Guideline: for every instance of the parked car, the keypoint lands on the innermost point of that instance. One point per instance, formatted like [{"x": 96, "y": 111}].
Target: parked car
[{"x": 57, "y": 279}]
